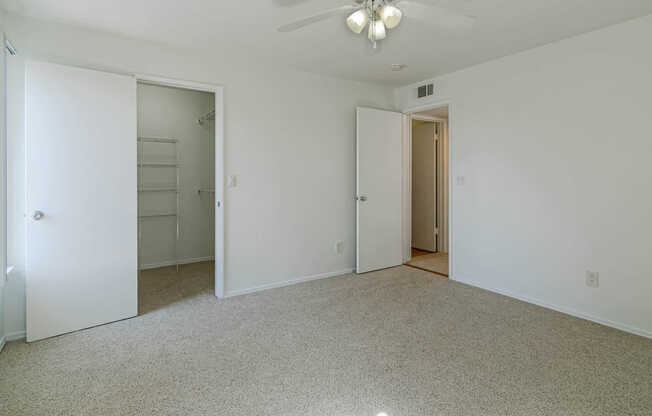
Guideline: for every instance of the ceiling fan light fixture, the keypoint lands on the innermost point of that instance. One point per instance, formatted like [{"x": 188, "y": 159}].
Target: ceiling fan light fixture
[
  {"x": 357, "y": 21},
  {"x": 391, "y": 16},
  {"x": 377, "y": 31}
]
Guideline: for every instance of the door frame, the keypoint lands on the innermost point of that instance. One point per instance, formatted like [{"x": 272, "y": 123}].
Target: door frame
[
  {"x": 407, "y": 178},
  {"x": 218, "y": 91}
]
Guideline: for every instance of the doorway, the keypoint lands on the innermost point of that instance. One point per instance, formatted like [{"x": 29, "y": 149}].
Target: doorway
[
  {"x": 428, "y": 144},
  {"x": 176, "y": 194},
  {"x": 384, "y": 157},
  {"x": 82, "y": 193}
]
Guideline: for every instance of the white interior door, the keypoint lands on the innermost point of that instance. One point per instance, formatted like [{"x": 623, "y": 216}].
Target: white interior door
[
  {"x": 379, "y": 191},
  {"x": 81, "y": 199}
]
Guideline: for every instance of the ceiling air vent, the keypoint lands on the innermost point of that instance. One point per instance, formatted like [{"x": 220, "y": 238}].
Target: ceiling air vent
[{"x": 425, "y": 90}]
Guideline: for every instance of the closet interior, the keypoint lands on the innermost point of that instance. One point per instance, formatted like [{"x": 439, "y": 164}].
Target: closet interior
[{"x": 176, "y": 194}]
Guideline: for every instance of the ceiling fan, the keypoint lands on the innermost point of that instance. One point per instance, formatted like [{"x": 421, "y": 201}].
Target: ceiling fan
[{"x": 381, "y": 15}]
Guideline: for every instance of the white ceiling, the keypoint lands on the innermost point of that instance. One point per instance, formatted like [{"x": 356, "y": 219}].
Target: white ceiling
[{"x": 502, "y": 27}]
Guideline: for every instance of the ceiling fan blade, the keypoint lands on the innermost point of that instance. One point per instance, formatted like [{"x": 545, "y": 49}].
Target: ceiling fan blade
[
  {"x": 316, "y": 18},
  {"x": 429, "y": 12}
]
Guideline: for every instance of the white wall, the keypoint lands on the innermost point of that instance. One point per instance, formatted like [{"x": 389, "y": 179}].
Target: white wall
[
  {"x": 555, "y": 147},
  {"x": 15, "y": 287},
  {"x": 290, "y": 138},
  {"x": 3, "y": 181},
  {"x": 173, "y": 113},
  {"x": 423, "y": 185}
]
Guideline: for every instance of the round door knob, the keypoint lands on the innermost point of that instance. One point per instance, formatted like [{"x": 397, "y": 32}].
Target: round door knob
[
  {"x": 37, "y": 215},
  {"x": 363, "y": 198}
]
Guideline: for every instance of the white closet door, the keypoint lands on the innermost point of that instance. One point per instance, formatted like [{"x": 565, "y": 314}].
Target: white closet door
[
  {"x": 81, "y": 185},
  {"x": 379, "y": 190}
]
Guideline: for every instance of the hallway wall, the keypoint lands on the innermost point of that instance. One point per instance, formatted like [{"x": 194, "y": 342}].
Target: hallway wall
[{"x": 423, "y": 185}]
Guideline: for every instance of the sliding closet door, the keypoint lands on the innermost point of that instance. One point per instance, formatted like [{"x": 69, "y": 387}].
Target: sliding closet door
[{"x": 81, "y": 232}]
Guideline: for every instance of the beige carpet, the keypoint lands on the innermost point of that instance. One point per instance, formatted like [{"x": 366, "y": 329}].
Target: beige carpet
[
  {"x": 399, "y": 341},
  {"x": 434, "y": 262}
]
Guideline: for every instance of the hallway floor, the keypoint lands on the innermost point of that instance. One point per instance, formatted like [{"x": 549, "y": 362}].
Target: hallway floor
[{"x": 432, "y": 262}]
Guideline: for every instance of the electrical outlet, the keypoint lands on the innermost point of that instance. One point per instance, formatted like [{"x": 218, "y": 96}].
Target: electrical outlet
[
  {"x": 339, "y": 247},
  {"x": 461, "y": 180},
  {"x": 592, "y": 279}
]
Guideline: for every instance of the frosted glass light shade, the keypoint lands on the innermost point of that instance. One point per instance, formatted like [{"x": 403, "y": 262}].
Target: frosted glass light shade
[
  {"x": 377, "y": 30},
  {"x": 357, "y": 21},
  {"x": 391, "y": 16}
]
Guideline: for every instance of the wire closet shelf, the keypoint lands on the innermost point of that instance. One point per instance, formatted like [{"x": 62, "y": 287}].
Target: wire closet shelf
[{"x": 144, "y": 214}]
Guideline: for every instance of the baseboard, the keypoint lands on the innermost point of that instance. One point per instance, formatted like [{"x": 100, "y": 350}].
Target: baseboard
[
  {"x": 172, "y": 262},
  {"x": 423, "y": 249},
  {"x": 15, "y": 336},
  {"x": 230, "y": 294},
  {"x": 562, "y": 309}
]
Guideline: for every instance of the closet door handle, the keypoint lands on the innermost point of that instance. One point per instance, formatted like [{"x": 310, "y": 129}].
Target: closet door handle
[{"x": 38, "y": 215}]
